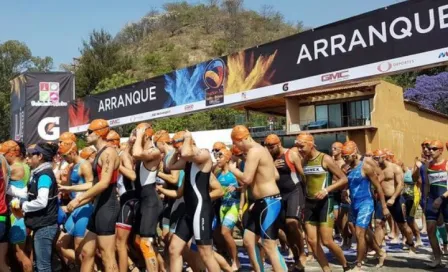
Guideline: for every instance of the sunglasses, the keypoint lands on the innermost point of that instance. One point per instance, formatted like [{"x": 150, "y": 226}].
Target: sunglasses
[
  {"x": 90, "y": 131},
  {"x": 215, "y": 150},
  {"x": 181, "y": 140},
  {"x": 377, "y": 158},
  {"x": 433, "y": 148},
  {"x": 346, "y": 157},
  {"x": 335, "y": 148},
  {"x": 270, "y": 146},
  {"x": 32, "y": 154}
]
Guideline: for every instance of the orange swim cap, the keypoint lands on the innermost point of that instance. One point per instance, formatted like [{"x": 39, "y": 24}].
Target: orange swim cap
[
  {"x": 10, "y": 147},
  {"x": 272, "y": 139},
  {"x": 351, "y": 143},
  {"x": 369, "y": 154},
  {"x": 86, "y": 152},
  {"x": 178, "y": 139},
  {"x": 379, "y": 153},
  {"x": 162, "y": 136},
  {"x": 338, "y": 145},
  {"x": 67, "y": 136},
  {"x": 437, "y": 143},
  {"x": 226, "y": 154},
  {"x": 239, "y": 133},
  {"x": 219, "y": 146},
  {"x": 348, "y": 150},
  {"x": 100, "y": 127},
  {"x": 113, "y": 137},
  {"x": 305, "y": 138},
  {"x": 149, "y": 131},
  {"x": 67, "y": 147},
  {"x": 236, "y": 151}
]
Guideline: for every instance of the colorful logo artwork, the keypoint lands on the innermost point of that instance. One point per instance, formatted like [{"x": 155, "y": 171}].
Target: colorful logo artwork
[
  {"x": 214, "y": 80},
  {"x": 49, "y": 91}
]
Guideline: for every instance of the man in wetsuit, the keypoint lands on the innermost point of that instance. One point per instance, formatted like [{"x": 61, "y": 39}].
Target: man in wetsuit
[
  {"x": 319, "y": 170},
  {"x": 148, "y": 157},
  {"x": 289, "y": 167},
  {"x": 360, "y": 178},
  {"x": 197, "y": 221},
  {"x": 437, "y": 197},
  {"x": 261, "y": 175},
  {"x": 101, "y": 227},
  {"x": 392, "y": 185}
]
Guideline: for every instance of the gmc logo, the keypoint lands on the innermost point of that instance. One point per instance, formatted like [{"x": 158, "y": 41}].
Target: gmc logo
[
  {"x": 335, "y": 76},
  {"x": 114, "y": 122},
  {"x": 443, "y": 55},
  {"x": 188, "y": 107}
]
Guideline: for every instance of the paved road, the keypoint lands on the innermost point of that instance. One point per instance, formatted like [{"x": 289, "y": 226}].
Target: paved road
[{"x": 397, "y": 260}]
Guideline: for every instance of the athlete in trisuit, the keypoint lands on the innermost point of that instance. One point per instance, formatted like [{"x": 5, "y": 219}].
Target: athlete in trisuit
[
  {"x": 319, "y": 220},
  {"x": 437, "y": 197},
  {"x": 101, "y": 226},
  {"x": 392, "y": 186},
  {"x": 338, "y": 211},
  {"x": 129, "y": 202},
  {"x": 290, "y": 184},
  {"x": 88, "y": 154},
  {"x": 148, "y": 158},
  {"x": 419, "y": 173},
  {"x": 360, "y": 178},
  {"x": 17, "y": 188},
  {"x": 260, "y": 175},
  {"x": 80, "y": 179}
]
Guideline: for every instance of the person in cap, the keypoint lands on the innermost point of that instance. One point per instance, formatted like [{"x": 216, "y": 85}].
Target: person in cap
[
  {"x": 128, "y": 189},
  {"x": 336, "y": 148},
  {"x": 290, "y": 184},
  {"x": 437, "y": 197},
  {"x": 260, "y": 176},
  {"x": 319, "y": 169},
  {"x": 113, "y": 139},
  {"x": 217, "y": 146},
  {"x": 101, "y": 226},
  {"x": 148, "y": 159},
  {"x": 392, "y": 185},
  {"x": 197, "y": 220},
  {"x": 419, "y": 173},
  {"x": 19, "y": 177},
  {"x": 80, "y": 179},
  {"x": 360, "y": 179},
  {"x": 88, "y": 153},
  {"x": 173, "y": 179},
  {"x": 41, "y": 208}
]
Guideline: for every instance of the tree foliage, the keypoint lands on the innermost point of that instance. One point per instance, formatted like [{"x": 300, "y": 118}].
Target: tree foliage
[{"x": 431, "y": 92}]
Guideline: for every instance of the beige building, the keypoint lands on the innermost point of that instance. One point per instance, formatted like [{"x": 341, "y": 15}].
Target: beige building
[{"x": 374, "y": 114}]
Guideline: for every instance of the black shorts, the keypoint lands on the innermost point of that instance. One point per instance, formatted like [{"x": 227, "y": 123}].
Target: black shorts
[
  {"x": 319, "y": 212},
  {"x": 166, "y": 213},
  {"x": 4, "y": 228},
  {"x": 128, "y": 212},
  {"x": 151, "y": 208},
  {"x": 177, "y": 211},
  {"x": 264, "y": 217},
  {"x": 337, "y": 199},
  {"x": 293, "y": 205},
  {"x": 396, "y": 210},
  {"x": 104, "y": 216}
]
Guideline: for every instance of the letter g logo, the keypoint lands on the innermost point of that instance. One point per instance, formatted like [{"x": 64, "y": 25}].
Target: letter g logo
[{"x": 48, "y": 128}]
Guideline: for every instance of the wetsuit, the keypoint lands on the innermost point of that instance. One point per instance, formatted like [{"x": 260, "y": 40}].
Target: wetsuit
[
  {"x": 361, "y": 197},
  {"x": 318, "y": 212},
  {"x": 76, "y": 224},
  {"x": 178, "y": 208},
  {"x": 198, "y": 217},
  {"x": 151, "y": 205},
  {"x": 291, "y": 189},
  {"x": 438, "y": 183},
  {"x": 129, "y": 201},
  {"x": 18, "y": 188},
  {"x": 411, "y": 196},
  {"x": 106, "y": 204},
  {"x": 168, "y": 202},
  {"x": 228, "y": 212}
]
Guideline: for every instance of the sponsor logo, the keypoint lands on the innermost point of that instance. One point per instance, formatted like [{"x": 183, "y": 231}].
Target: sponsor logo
[
  {"x": 387, "y": 66},
  {"x": 443, "y": 55},
  {"x": 136, "y": 118},
  {"x": 48, "y": 128},
  {"x": 48, "y": 95},
  {"x": 189, "y": 107},
  {"x": 285, "y": 87},
  {"x": 336, "y": 76},
  {"x": 114, "y": 122},
  {"x": 155, "y": 114},
  {"x": 243, "y": 96}
]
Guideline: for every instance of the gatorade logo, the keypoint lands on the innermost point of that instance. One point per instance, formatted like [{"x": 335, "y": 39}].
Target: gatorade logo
[{"x": 48, "y": 128}]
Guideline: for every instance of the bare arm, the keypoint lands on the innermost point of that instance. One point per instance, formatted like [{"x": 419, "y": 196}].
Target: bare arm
[
  {"x": 216, "y": 190},
  {"x": 295, "y": 158},
  {"x": 108, "y": 160},
  {"x": 171, "y": 193},
  {"x": 369, "y": 171},
  {"x": 196, "y": 155},
  {"x": 250, "y": 168},
  {"x": 171, "y": 178},
  {"x": 17, "y": 172},
  {"x": 339, "y": 176},
  {"x": 5, "y": 169},
  {"x": 176, "y": 163},
  {"x": 398, "y": 181},
  {"x": 127, "y": 167}
]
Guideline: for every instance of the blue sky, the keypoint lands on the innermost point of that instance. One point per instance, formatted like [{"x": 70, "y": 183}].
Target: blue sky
[{"x": 56, "y": 28}]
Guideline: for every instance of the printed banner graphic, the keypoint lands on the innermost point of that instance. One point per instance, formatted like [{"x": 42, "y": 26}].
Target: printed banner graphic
[{"x": 399, "y": 37}]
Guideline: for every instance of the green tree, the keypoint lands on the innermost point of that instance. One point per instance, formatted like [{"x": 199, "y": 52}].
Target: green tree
[
  {"x": 15, "y": 58},
  {"x": 115, "y": 81}
]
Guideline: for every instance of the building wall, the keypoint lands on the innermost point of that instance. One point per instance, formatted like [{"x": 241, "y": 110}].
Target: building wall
[
  {"x": 401, "y": 126},
  {"x": 359, "y": 137}
]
